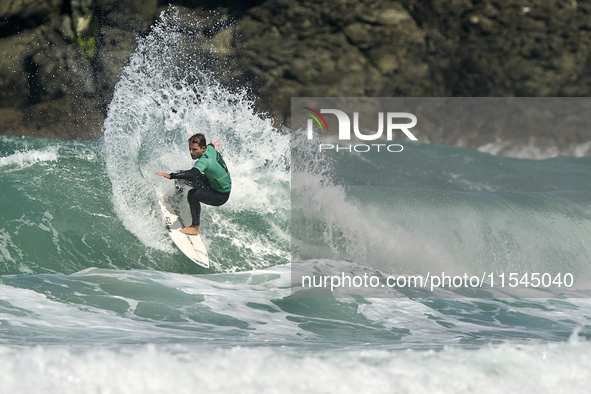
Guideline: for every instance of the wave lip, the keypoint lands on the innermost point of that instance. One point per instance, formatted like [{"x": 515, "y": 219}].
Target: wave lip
[
  {"x": 29, "y": 157},
  {"x": 532, "y": 149}
]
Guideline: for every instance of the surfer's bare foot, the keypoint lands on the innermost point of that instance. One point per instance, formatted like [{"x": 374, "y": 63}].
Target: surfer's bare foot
[{"x": 192, "y": 230}]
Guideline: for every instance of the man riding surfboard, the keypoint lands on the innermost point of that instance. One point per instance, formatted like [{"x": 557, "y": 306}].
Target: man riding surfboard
[{"x": 209, "y": 177}]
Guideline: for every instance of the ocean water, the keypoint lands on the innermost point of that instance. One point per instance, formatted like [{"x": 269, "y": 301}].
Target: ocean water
[{"x": 94, "y": 297}]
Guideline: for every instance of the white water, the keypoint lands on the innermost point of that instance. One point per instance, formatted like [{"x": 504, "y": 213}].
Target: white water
[
  {"x": 162, "y": 99},
  {"x": 27, "y": 158},
  {"x": 535, "y": 368}
]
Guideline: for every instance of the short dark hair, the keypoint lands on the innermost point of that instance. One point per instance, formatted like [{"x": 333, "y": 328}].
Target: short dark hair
[{"x": 198, "y": 139}]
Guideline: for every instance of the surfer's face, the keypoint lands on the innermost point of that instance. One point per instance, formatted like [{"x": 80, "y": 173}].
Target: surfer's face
[{"x": 196, "y": 150}]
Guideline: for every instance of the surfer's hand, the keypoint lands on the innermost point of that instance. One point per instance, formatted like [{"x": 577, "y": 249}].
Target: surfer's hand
[
  {"x": 164, "y": 174},
  {"x": 216, "y": 144}
]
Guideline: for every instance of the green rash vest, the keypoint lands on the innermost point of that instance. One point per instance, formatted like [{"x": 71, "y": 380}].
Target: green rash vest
[{"x": 212, "y": 164}]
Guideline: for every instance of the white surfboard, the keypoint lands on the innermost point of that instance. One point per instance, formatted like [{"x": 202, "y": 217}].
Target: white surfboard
[{"x": 175, "y": 219}]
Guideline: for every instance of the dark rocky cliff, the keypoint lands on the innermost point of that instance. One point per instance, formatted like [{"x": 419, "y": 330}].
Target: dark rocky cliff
[{"x": 62, "y": 58}]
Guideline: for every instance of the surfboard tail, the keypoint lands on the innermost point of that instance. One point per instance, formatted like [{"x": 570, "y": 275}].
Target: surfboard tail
[{"x": 191, "y": 245}]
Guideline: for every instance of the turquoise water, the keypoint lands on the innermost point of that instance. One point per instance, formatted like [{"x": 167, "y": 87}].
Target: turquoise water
[
  {"x": 94, "y": 297},
  {"x": 434, "y": 208}
]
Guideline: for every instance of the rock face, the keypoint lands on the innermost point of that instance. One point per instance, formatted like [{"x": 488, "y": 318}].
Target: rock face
[
  {"x": 416, "y": 48},
  {"x": 62, "y": 58},
  {"x": 334, "y": 48}
]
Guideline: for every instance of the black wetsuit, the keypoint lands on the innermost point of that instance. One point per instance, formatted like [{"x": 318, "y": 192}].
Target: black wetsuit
[{"x": 210, "y": 182}]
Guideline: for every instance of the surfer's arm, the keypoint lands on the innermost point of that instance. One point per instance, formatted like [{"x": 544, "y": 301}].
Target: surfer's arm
[
  {"x": 189, "y": 174},
  {"x": 192, "y": 173}
]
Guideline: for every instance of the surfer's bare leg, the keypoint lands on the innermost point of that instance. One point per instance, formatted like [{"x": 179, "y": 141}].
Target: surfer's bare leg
[{"x": 191, "y": 230}]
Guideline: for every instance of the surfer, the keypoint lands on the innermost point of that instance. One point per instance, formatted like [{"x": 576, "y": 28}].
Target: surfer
[{"x": 209, "y": 178}]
